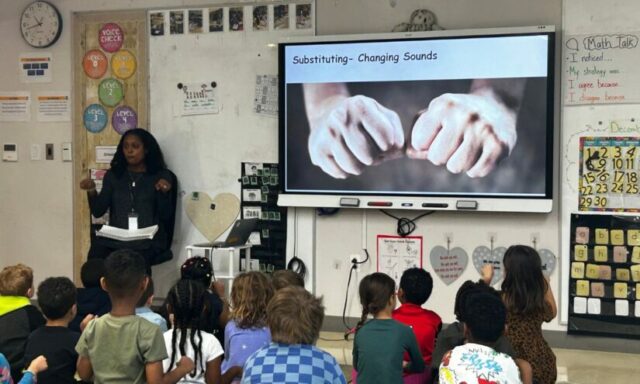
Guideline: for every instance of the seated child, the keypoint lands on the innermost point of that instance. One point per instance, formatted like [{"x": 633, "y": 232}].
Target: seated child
[
  {"x": 379, "y": 344},
  {"x": 92, "y": 299},
  {"x": 416, "y": 285},
  {"x": 143, "y": 308},
  {"x": 38, "y": 365},
  {"x": 294, "y": 317},
  {"x": 286, "y": 278},
  {"x": 56, "y": 342},
  {"x": 18, "y": 318},
  {"x": 121, "y": 347},
  {"x": 247, "y": 330},
  {"x": 477, "y": 360}
]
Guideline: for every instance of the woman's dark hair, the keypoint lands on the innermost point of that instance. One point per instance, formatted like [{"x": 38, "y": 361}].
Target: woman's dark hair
[
  {"x": 524, "y": 285},
  {"x": 153, "y": 158},
  {"x": 375, "y": 292},
  {"x": 187, "y": 302}
]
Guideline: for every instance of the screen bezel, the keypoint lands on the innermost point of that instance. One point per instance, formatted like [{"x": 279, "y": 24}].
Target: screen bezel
[{"x": 432, "y": 201}]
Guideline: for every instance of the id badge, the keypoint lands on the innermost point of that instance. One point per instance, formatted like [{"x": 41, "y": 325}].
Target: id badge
[{"x": 133, "y": 220}]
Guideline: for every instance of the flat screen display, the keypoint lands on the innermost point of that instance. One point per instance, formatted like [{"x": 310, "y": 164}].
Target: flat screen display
[{"x": 417, "y": 119}]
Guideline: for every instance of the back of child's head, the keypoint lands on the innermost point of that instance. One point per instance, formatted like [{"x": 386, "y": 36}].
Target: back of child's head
[
  {"x": 250, "y": 295},
  {"x": 416, "y": 285},
  {"x": 467, "y": 289},
  {"x": 125, "y": 270},
  {"x": 148, "y": 292},
  {"x": 16, "y": 280},
  {"x": 524, "y": 284},
  {"x": 375, "y": 292},
  {"x": 286, "y": 278},
  {"x": 197, "y": 268},
  {"x": 485, "y": 317},
  {"x": 91, "y": 272},
  {"x": 186, "y": 301},
  {"x": 56, "y": 296},
  {"x": 295, "y": 316}
]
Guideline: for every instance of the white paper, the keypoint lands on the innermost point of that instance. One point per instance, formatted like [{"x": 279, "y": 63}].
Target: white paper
[
  {"x": 253, "y": 195},
  {"x": 251, "y": 169},
  {"x": 637, "y": 306},
  {"x": 265, "y": 101},
  {"x": 54, "y": 106},
  {"x": 254, "y": 238},
  {"x": 15, "y": 106},
  {"x": 396, "y": 254},
  {"x": 35, "y": 67},
  {"x": 127, "y": 234},
  {"x": 198, "y": 99},
  {"x": 593, "y": 306},
  {"x": 251, "y": 212},
  {"x": 105, "y": 153},
  {"x": 622, "y": 308},
  {"x": 580, "y": 305}
]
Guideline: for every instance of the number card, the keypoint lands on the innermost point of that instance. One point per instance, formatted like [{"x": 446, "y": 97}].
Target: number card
[{"x": 609, "y": 175}]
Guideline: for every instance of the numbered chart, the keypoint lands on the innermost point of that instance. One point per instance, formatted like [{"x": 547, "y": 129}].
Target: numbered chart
[{"x": 609, "y": 174}]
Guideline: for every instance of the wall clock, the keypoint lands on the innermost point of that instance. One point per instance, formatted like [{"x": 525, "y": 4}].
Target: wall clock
[{"x": 41, "y": 24}]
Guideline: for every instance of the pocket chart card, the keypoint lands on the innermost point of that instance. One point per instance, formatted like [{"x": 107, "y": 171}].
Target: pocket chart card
[
  {"x": 604, "y": 275},
  {"x": 609, "y": 174}
]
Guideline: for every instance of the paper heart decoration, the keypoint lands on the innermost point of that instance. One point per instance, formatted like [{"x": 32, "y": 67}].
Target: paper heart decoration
[
  {"x": 483, "y": 255},
  {"x": 548, "y": 260},
  {"x": 448, "y": 264},
  {"x": 212, "y": 216}
]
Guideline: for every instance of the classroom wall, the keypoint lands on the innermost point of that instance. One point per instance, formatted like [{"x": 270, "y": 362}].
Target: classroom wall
[{"x": 36, "y": 206}]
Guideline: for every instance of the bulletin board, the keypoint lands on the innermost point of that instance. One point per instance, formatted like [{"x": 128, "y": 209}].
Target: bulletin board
[{"x": 604, "y": 276}]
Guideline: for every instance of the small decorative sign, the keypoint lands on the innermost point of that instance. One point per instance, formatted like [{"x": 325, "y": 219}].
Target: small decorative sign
[
  {"x": 448, "y": 264},
  {"x": 94, "y": 118},
  {"x": 123, "y": 119},
  {"x": 111, "y": 37},
  {"x": 95, "y": 63},
  {"x": 35, "y": 67},
  {"x": 110, "y": 92},
  {"x": 484, "y": 255},
  {"x": 123, "y": 64},
  {"x": 198, "y": 99}
]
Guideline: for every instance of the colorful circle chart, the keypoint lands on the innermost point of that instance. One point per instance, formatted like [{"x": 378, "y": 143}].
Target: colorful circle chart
[
  {"x": 94, "y": 118},
  {"x": 111, "y": 37},
  {"x": 123, "y": 119},
  {"x": 123, "y": 64},
  {"x": 95, "y": 63},
  {"x": 110, "y": 92}
]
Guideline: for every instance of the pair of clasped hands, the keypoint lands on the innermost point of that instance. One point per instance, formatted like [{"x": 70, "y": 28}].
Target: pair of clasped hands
[{"x": 465, "y": 132}]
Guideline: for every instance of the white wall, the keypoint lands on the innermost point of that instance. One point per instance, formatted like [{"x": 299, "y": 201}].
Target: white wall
[{"x": 35, "y": 197}]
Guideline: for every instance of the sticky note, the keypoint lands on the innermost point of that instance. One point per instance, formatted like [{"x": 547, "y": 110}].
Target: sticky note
[
  {"x": 622, "y": 308},
  {"x": 620, "y": 254},
  {"x": 582, "y": 288},
  {"x": 602, "y": 236},
  {"x": 579, "y": 305},
  {"x": 597, "y": 289},
  {"x": 577, "y": 270},
  {"x": 637, "y": 291},
  {"x": 635, "y": 255},
  {"x": 637, "y": 308},
  {"x": 593, "y": 271},
  {"x": 600, "y": 253},
  {"x": 593, "y": 306},
  {"x": 635, "y": 272},
  {"x": 617, "y": 237},
  {"x": 633, "y": 237},
  {"x": 582, "y": 235},
  {"x": 580, "y": 253},
  {"x": 605, "y": 272},
  {"x": 622, "y": 274},
  {"x": 619, "y": 290}
]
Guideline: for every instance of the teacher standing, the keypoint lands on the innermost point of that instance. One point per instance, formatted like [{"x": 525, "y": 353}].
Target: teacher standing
[{"x": 137, "y": 188}]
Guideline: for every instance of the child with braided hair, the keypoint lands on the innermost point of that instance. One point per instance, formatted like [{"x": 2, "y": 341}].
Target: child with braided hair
[
  {"x": 187, "y": 302},
  {"x": 380, "y": 343}
]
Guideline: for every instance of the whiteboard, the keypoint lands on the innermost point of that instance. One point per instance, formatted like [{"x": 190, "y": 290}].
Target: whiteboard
[
  {"x": 205, "y": 151},
  {"x": 582, "y": 18}
]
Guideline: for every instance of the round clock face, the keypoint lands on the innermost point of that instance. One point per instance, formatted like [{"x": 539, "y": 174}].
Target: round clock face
[{"x": 41, "y": 24}]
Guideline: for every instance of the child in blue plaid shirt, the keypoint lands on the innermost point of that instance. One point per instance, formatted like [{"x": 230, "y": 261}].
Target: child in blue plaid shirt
[{"x": 294, "y": 317}]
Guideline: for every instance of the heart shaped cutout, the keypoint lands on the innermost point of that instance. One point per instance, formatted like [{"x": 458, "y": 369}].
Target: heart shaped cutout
[
  {"x": 549, "y": 261},
  {"x": 212, "y": 216},
  {"x": 484, "y": 255},
  {"x": 448, "y": 264}
]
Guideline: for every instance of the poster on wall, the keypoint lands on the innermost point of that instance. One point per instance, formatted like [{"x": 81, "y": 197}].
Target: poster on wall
[
  {"x": 156, "y": 23},
  {"x": 198, "y": 99},
  {"x": 15, "y": 106},
  {"x": 396, "y": 254},
  {"x": 265, "y": 101},
  {"x": 609, "y": 174},
  {"x": 53, "y": 106},
  {"x": 35, "y": 67}
]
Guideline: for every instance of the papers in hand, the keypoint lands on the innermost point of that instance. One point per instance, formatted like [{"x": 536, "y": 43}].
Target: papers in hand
[{"x": 127, "y": 234}]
